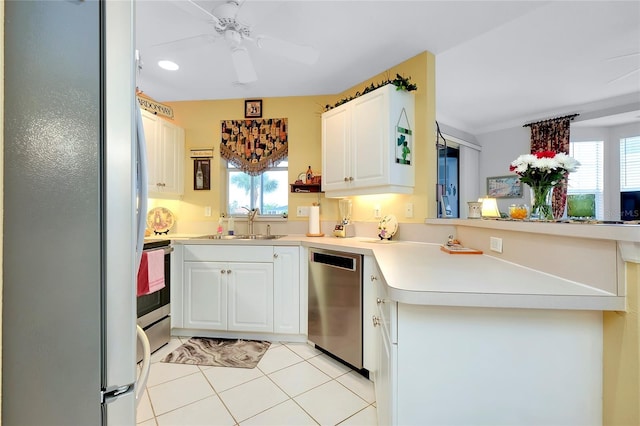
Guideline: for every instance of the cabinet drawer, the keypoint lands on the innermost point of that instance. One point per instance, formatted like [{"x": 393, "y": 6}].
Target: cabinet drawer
[{"x": 228, "y": 253}]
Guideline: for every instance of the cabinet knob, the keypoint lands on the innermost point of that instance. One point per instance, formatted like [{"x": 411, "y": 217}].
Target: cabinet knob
[
  {"x": 346, "y": 179},
  {"x": 373, "y": 278},
  {"x": 222, "y": 271},
  {"x": 228, "y": 271},
  {"x": 379, "y": 301},
  {"x": 376, "y": 321},
  {"x": 350, "y": 179},
  {"x": 275, "y": 255}
]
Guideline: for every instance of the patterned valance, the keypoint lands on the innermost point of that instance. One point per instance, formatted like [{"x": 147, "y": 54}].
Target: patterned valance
[{"x": 254, "y": 145}]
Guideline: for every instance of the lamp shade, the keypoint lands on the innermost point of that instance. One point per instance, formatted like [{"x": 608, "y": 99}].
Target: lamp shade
[{"x": 490, "y": 207}]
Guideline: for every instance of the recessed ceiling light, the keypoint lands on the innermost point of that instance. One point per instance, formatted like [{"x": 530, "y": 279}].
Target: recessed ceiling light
[{"x": 168, "y": 65}]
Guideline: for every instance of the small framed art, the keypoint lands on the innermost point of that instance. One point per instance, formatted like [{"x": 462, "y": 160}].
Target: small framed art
[
  {"x": 253, "y": 108},
  {"x": 202, "y": 174},
  {"x": 504, "y": 187}
]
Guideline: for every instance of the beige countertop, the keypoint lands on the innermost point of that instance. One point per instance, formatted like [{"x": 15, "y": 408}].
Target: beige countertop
[{"x": 420, "y": 273}]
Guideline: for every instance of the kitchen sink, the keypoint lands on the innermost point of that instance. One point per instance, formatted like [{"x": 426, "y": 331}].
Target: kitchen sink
[{"x": 241, "y": 237}]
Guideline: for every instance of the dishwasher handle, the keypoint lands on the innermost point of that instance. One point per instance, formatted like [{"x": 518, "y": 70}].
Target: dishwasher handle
[{"x": 340, "y": 261}]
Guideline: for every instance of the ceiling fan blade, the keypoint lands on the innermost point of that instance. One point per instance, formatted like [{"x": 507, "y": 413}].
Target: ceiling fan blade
[
  {"x": 243, "y": 65},
  {"x": 630, "y": 73},
  {"x": 194, "y": 9},
  {"x": 187, "y": 43},
  {"x": 628, "y": 55},
  {"x": 296, "y": 52}
]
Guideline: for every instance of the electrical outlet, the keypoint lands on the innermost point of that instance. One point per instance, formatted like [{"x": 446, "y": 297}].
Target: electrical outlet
[
  {"x": 495, "y": 244},
  {"x": 207, "y": 211},
  {"x": 408, "y": 210},
  {"x": 376, "y": 211},
  {"x": 303, "y": 211}
]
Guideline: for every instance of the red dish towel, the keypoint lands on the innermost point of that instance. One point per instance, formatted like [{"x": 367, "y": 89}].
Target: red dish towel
[{"x": 151, "y": 272}]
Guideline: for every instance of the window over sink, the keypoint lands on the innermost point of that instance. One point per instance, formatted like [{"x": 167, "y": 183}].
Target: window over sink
[{"x": 268, "y": 191}]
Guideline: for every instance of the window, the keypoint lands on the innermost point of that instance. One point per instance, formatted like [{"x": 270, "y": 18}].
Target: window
[
  {"x": 588, "y": 179},
  {"x": 630, "y": 164},
  {"x": 267, "y": 191}
]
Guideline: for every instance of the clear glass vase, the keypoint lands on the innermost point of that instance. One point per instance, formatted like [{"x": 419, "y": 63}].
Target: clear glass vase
[{"x": 541, "y": 202}]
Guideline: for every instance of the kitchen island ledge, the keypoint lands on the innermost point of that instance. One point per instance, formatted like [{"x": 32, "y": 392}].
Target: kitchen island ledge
[
  {"x": 421, "y": 274},
  {"x": 626, "y": 235}
]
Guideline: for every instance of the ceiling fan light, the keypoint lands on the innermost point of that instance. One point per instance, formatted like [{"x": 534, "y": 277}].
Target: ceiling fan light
[
  {"x": 243, "y": 65},
  {"x": 168, "y": 65}
]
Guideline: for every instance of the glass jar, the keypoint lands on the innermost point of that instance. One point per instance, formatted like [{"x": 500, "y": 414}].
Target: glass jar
[{"x": 519, "y": 211}]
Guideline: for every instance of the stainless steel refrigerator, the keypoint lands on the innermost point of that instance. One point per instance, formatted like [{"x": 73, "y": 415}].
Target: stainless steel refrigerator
[{"x": 68, "y": 328}]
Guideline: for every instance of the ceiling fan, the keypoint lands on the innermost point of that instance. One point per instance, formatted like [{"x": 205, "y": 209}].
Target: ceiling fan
[
  {"x": 628, "y": 74},
  {"x": 227, "y": 26}
]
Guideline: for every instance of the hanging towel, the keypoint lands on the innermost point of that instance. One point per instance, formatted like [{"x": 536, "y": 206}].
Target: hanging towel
[
  {"x": 143, "y": 275},
  {"x": 151, "y": 272}
]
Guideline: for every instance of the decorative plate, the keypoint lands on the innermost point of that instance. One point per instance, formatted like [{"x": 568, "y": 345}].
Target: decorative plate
[
  {"x": 387, "y": 227},
  {"x": 302, "y": 177},
  {"x": 160, "y": 220}
]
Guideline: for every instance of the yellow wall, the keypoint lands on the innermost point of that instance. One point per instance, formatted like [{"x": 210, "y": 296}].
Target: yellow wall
[
  {"x": 421, "y": 69},
  {"x": 1, "y": 181},
  {"x": 201, "y": 121},
  {"x": 621, "y": 404}
]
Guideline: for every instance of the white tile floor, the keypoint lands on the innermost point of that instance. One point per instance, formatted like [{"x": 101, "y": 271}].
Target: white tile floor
[{"x": 294, "y": 384}]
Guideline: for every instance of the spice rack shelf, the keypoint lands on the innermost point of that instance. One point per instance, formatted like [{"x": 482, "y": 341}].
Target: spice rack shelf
[{"x": 305, "y": 188}]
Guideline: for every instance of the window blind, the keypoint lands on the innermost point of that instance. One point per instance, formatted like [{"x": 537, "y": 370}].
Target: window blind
[
  {"x": 589, "y": 178},
  {"x": 630, "y": 164}
]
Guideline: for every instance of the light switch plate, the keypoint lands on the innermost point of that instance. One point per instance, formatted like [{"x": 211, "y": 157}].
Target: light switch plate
[
  {"x": 303, "y": 211},
  {"x": 495, "y": 244},
  {"x": 377, "y": 212},
  {"x": 408, "y": 210}
]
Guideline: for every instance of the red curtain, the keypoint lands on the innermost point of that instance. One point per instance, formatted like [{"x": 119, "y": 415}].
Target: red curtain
[{"x": 553, "y": 135}]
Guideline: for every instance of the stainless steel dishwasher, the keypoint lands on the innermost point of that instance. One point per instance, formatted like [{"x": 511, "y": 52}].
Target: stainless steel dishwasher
[{"x": 335, "y": 304}]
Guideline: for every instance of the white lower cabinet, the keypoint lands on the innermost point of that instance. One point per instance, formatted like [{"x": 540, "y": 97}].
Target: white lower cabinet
[
  {"x": 386, "y": 379},
  {"x": 235, "y": 296},
  {"x": 259, "y": 291},
  {"x": 385, "y": 374},
  {"x": 370, "y": 276},
  {"x": 286, "y": 279},
  {"x": 205, "y": 295}
]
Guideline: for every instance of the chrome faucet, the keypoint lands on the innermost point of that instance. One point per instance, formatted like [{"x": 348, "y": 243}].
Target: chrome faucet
[{"x": 251, "y": 215}]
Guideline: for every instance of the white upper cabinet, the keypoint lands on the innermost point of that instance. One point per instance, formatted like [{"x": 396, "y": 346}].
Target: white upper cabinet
[
  {"x": 165, "y": 153},
  {"x": 363, "y": 145}
]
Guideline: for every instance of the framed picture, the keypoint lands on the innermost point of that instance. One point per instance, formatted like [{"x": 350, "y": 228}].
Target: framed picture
[
  {"x": 504, "y": 187},
  {"x": 253, "y": 108},
  {"x": 201, "y": 174}
]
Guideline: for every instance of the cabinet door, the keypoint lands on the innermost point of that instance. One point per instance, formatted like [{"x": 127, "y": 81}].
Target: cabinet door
[
  {"x": 250, "y": 292},
  {"x": 335, "y": 149},
  {"x": 150, "y": 123},
  {"x": 205, "y": 295},
  {"x": 286, "y": 289},
  {"x": 370, "y": 139},
  {"x": 384, "y": 388},
  {"x": 172, "y": 158},
  {"x": 370, "y": 336}
]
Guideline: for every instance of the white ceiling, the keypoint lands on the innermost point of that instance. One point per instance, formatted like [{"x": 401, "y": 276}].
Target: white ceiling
[{"x": 498, "y": 63}]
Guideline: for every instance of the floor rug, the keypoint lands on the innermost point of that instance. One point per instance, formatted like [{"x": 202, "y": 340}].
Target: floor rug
[{"x": 219, "y": 352}]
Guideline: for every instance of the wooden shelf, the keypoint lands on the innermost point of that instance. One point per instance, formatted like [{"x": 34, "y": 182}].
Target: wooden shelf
[{"x": 300, "y": 188}]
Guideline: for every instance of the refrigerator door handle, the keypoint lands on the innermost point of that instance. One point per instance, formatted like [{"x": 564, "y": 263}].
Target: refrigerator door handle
[
  {"x": 141, "y": 183},
  {"x": 114, "y": 392},
  {"x": 141, "y": 383}
]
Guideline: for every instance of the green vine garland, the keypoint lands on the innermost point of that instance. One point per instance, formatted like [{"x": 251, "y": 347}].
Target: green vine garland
[{"x": 400, "y": 82}]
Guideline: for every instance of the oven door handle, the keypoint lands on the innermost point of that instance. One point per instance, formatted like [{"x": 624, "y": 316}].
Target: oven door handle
[{"x": 167, "y": 249}]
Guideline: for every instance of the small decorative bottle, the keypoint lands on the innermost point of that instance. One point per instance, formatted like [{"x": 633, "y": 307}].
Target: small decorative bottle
[
  {"x": 199, "y": 177},
  {"x": 309, "y": 176},
  {"x": 230, "y": 226}
]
